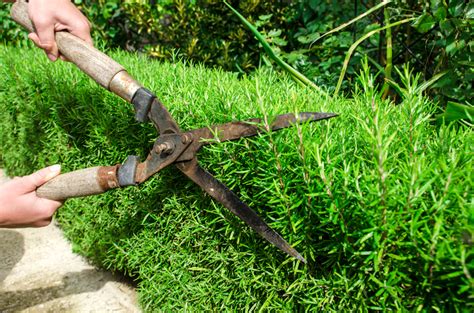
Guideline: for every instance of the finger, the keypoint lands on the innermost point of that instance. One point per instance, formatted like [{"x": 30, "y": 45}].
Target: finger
[
  {"x": 47, "y": 207},
  {"x": 33, "y": 37},
  {"x": 42, "y": 223},
  {"x": 59, "y": 27},
  {"x": 81, "y": 28},
  {"x": 62, "y": 57},
  {"x": 45, "y": 32},
  {"x": 40, "y": 177}
]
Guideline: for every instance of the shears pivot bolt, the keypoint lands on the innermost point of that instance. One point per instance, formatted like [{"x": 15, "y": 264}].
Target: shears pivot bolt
[
  {"x": 186, "y": 138},
  {"x": 165, "y": 147}
]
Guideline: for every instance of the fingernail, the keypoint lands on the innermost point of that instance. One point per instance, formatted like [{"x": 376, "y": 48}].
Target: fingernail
[
  {"x": 53, "y": 171},
  {"x": 56, "y": 168},
  {"x": 52, "y": 57}
]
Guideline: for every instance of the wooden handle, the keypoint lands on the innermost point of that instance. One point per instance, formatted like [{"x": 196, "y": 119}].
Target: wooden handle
[
  {"x": 105, "y": 71},
  {"x": 80, "y": 183}
]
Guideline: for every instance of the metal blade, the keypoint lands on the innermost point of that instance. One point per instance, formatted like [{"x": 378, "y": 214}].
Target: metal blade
[
  {"x": 252, "y": 127},
  {"x": 162, "y": 119},
  {"x": 236, "y": 130},
  {"x": 226, "y": 197}
]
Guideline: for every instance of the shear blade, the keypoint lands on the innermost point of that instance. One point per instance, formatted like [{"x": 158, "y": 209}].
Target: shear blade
[
  {"x": 236, "y": 130},
  {"x": 252, "y": 127},
  {"x": 226, "y": 197}
]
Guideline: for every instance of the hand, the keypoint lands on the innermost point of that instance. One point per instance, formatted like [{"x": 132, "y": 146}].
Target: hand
[
  {"x": 19, "y": 205},
  {"x": 50, "y": 16}
]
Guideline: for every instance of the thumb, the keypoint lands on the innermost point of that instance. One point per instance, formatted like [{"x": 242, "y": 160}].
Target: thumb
[
  {"x": 34, "y": 37},
  {"x": 42, "y": 176}
]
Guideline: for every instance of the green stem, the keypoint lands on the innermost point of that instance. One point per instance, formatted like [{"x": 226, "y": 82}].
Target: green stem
[
  {"x": 357, "y": 43},
  {"x": 375, "y": 8},
  {"x": 388, "y": 66},
  {"x": 297, "y": 76}
]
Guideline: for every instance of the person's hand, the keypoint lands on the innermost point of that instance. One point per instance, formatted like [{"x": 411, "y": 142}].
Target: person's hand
[
  {"x": 50, "y": 16},
  {"x": 19, "y": 205}
]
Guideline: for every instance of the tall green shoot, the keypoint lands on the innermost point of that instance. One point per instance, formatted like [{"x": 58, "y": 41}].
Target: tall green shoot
[
  {"x": 354, "y": 46},
  {"x": 295, "y": 74}
]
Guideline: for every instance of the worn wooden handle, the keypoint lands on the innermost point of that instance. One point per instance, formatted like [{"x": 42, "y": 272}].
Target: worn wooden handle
[
  {"x": 80, "y": 183},
  {"x": 105, "y": 71}
]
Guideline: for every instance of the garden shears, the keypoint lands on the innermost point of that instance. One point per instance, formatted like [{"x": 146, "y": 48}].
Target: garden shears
[{"x": 172, "y": 147}]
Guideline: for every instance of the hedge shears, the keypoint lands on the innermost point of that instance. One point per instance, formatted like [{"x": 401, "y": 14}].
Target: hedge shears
[{"x": 172, "y": 147}]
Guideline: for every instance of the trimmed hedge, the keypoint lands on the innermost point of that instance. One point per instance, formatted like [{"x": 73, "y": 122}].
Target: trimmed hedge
[{"x": 379, "y": 200}]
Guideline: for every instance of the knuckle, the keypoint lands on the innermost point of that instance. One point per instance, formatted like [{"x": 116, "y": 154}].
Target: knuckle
[
  {"x": 40, "y": 21},
  {"x": 83, "y": 26}
]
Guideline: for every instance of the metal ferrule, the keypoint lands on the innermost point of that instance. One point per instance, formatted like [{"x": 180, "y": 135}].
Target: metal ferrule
[{"x": 123, "y": 85}]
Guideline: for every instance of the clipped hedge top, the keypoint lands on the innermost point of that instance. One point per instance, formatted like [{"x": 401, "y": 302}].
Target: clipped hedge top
[{"x": 378, "y": 200}]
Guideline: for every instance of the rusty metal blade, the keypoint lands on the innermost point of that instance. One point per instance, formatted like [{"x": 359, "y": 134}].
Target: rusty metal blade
[
  {"x": 235, "y": 130},
  {"x": 252, "y": 127},
  {"x": 162, "y": 119},
  {"x": 226, "y": 197}
]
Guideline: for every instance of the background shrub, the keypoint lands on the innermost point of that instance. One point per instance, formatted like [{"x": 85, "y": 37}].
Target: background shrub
[
  {"x": 438, "y": 41},
  {"x": 206, "y": 31},
  {"x": 379, "y": 200}
]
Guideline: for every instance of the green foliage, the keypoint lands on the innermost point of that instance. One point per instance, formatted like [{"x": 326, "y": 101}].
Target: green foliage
[
  {"x": 297, "y": 76},
  {"x": 321, "y": 59},
  {"x": 439, "y": 40},
  {"x": 204, "y": 30},
  {"x": 457, "y": 111},
  {"x": 311, "y": 36},
  {"x": 451, "y": 45},
  {"x": 10, "y": 31},
  {"x": 378, "y": 200},
  {"x": 354, "y": 46},
  {"x": 110, "y": 21}
]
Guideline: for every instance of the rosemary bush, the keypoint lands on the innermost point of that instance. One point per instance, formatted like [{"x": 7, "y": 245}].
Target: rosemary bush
[{"x": 378, "y": 200}]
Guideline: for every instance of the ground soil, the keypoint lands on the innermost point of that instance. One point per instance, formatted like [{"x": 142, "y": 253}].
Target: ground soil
[{"x": 39, "y": 273}]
